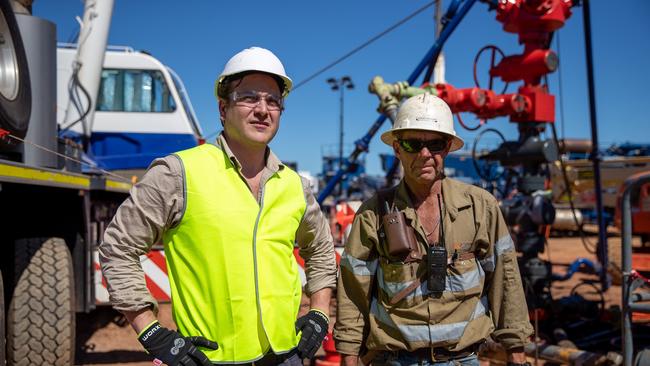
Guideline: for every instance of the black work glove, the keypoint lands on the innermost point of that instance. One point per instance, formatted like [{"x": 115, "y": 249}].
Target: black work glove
[
  {"x": 314, "y": 329},
  {"x": 173, "y": 349}
]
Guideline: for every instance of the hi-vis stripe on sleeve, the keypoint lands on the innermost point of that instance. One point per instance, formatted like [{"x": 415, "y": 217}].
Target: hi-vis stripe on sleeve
[
  {"x": 357, "y": 266},
  {"x": 503, "y": 245}
]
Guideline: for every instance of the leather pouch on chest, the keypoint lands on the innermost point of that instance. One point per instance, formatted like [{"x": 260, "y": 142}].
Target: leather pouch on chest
[{"x": 400, "y": 237}]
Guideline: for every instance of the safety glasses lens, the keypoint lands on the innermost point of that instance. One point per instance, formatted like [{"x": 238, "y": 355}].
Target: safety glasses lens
[
  {"x": 251, "y": 98},
  {"x": 415, "y": 145}
]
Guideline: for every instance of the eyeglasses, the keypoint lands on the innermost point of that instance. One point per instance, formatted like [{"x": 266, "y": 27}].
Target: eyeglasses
[
  {"x": 415, "y": 146},
  {"x": 252, "y": 98}
]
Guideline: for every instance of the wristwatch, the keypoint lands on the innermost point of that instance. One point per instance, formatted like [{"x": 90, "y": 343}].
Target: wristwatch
[{"x": 518, "y": 364}]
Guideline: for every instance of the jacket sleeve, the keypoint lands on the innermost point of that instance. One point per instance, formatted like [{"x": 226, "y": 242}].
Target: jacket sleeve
[
  {"x": 154, "y": 204},
  {"x": 316, "y": 246},
  {"x": 505, "y": 291},
  {"x": 355, "y": 285}
]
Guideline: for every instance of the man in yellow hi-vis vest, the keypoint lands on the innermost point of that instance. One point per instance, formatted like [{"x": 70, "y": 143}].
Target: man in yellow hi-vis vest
[{"x": 228, "y": 214}]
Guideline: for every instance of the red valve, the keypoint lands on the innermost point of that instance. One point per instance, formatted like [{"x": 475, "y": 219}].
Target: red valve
[
  {"x": 530, "y": 66},
  {"x": 533, "y": 20},
  {"x": 486, "y": 103},
  {"x": 542, "y": 105},
  {"x": 462, "y": 100}
]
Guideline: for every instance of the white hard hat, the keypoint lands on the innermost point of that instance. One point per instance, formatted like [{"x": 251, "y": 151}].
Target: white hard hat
[
  {"x": 254, "y": 59},
  {"x": 425, "y": 112}
]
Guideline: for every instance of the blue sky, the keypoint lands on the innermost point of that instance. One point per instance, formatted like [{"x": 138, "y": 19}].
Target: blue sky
[{"x": 196, "y": 38}]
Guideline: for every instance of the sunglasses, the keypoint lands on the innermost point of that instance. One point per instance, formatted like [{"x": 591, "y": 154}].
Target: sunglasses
[{"x": 415, "y": 146}]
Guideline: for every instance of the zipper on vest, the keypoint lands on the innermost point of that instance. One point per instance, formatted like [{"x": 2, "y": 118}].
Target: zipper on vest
[{"x": 257, "y": 292}]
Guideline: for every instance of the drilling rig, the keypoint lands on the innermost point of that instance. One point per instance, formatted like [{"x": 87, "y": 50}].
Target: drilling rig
[{"x": 525, "y": 196}]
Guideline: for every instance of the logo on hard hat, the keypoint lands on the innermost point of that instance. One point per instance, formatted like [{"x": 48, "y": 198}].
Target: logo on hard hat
[{"x": 427, "y": 119}]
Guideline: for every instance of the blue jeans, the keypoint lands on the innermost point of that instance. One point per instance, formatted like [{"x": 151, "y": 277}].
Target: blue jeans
[{"x": 409, "y": 359}]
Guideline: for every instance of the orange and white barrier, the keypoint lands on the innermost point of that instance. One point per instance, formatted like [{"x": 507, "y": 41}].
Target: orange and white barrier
[{"x": 155, "y": 274}]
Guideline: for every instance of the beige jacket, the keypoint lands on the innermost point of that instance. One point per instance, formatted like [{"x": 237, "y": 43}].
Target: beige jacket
[
  {"x": 157, "y": 203},
  {"x": 483, "y": 295}
]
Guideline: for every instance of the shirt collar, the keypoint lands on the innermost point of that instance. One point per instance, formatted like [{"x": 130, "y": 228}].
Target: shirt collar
[
  {"x": 273, "y": 163},
  {"x": 455, "y": 196}
]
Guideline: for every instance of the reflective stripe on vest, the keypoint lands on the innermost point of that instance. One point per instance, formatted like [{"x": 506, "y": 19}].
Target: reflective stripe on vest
[{"x": 233, "y": 276}]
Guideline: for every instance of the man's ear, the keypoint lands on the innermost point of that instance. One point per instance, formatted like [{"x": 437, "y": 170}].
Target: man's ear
[
  {"x": 222, "y": 110},
  {"x": 396, "y": 148}
]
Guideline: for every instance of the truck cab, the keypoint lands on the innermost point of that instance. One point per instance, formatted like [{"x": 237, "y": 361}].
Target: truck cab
[{"x": 142, "y": 112}]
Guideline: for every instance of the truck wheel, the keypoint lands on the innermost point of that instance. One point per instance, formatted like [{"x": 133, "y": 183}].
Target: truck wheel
[
  {"x": 40, "y": 318},
  {"x": 15, "y": 90}
]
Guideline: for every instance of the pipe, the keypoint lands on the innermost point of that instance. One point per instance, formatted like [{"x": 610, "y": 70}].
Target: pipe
[
  {"x": 640, "y": 308},
  {"x": 450, "y": 13},
  {"x": 626, "y": 264},
  {"x": 361, "y": 145},
  {"x": 595, "y": 154},
  {"x": 565, "y": 220},
  {"x": 575, "y": 145},
  {"x": 637, "y": 297}
]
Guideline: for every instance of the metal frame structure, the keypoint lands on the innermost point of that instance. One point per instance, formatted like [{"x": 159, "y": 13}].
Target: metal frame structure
[{"x": 631, "y": 282}]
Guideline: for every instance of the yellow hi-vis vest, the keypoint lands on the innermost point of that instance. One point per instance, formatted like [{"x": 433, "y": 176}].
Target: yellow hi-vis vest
[{"x": 232, "y": 272}]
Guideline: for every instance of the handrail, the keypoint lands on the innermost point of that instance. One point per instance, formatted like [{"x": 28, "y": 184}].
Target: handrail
[
  {"x": 125, "y": 49},
  {"x": 626, "y": 264}
]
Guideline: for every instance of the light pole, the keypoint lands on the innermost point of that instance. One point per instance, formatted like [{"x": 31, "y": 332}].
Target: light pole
[{"x": 341, "y": 84}]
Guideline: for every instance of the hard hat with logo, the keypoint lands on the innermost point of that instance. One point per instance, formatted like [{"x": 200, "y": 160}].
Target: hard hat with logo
[
  {"x": 254, "y": 59},
  {"x": 425, "y": 112}
]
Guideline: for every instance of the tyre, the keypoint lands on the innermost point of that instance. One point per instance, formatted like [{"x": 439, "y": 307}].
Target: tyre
[
  {"x": 15, "y": 90},
  {"x": 40, "y": 318}
]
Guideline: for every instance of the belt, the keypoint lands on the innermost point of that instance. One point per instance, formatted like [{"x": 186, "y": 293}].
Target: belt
[
  {"x": 436, "y": 354},
  {"x": 440, "y": 354}
]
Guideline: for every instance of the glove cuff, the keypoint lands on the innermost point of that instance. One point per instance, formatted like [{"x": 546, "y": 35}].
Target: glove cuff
[
  {"x": 321, "y": 314},
  {"x": 145, "y": 329},
  {"x": 149, "y": 332}
]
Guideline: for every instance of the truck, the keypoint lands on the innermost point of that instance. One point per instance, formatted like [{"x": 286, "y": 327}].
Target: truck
[{"x": 78, "y": 125}]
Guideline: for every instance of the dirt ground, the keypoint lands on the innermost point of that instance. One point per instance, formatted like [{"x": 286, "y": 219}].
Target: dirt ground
[{"x": 104, "y": 338}]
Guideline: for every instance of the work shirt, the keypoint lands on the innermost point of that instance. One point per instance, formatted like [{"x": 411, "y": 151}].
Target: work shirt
[
  {"x": 483, "y": 295},
  {"x": 157, "y": 203}
]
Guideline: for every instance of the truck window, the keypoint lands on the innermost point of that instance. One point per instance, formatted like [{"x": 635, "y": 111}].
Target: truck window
[{"x": 124, "y": 90}]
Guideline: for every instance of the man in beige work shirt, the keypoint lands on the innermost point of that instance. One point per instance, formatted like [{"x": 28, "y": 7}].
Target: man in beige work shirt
[
  {"x": 164, "y": 205},
  {"x": 461, "y": 284}
]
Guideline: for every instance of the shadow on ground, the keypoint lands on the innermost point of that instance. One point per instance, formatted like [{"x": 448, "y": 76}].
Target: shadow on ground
[{"x": 88, "y": 352}]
